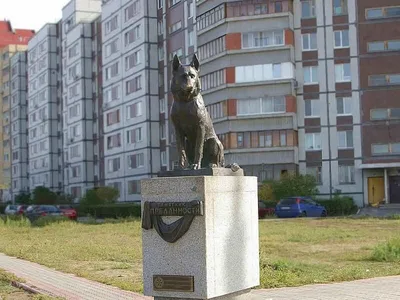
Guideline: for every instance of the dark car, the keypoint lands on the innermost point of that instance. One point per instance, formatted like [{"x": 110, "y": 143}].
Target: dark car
[
  {"x": 68, "y": 211},
  {"x": 263, "y": 210},
  {"x": 293, "y": 207},
  {"x": 34, "y": 212}
]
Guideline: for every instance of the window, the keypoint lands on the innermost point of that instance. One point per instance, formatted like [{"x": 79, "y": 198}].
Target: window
[
  {"x": 132, "y": 60},
  {"x": 112, "y": 71},
  {"x": 217, "y": 110},
  {"x": 310, "y": 75},
  {"x": 114, "y": 164},
  {"x": 339, "y": 7},
  {"x": 134, "y": 110},
  {"x": 43, "y": 146},
  {"x": 132, "y": 10},
  {"x": 75, "y": 131},
  {"x": 76, "y": 171},
  {"x": 74, "y": 91},
  {"x": 160, "y": 53},
  {"x": 278, "y": 6},
  {"x": 111, "y": 25},
  {"x": 136, "y": 161},
  {"x": 385, "y": 113},
  {"x": 162, "y": 105},
  {"x": 276, "y": 71},
  {"x": 262, "y": 39},
  {"x": 309, "y": 41},
  {"x": 313, "y": 141},
  {"x": 173, "y": 2},
  {"x": 111, "y": 94},
  {"x": 177, "y": 52},
  {"x": 133, "y": 85},
  {"x": 246, "y": 8},
  {"x": 15, "y": 155},
  {"x": 393, "y": 45},
  {"x": 270, "y": 105},
  {"x": 73, "y": 72},
  {"x": 191, "y": 9},
  {"x": 112, "y": 47},
  {"x": 113, "y": 117},
  {"x": 134, "y": 135},
  {"x": 213, "y": 80},
  {"x": 342, "y": 73},
  {"x": 75, "y": 151},
  {"x": 210, "y": 17},
  {"x": 74, "y": 111},
  {"x": 160, "y": 3},
  {"x": 308, "y": 9},
  {"x": 162, "y": 131},
  {"x": 175, "y": 27},
  {"x": 114, "y": 141},
  {"x": 311, "y": 108},
  {"x": 342, "y": 39},
  {"x": 132, "y": 35},
  {"x": 344, "y": 106},
  {"x": 160, "y": 27},
  {"x": 163, "y": 158},
  {"x": 134, "y": 187},
  {"x": 383, "y": 12},
  {"x": 265, "y": 72},
  {"x": 346, "y": 174},
  {"x": 191, "y": 38},
  {"x": 381, "y": 80},
  {"x": 73, "y": 51},
  {"x": 345, "y": 139},
  {"x": 316, "y": 173}
]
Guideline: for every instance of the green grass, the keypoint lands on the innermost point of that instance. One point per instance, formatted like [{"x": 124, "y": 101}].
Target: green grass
[{"x": 292, "y": 252}]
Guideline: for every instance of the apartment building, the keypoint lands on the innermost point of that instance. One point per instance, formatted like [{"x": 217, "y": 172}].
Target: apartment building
[
  {"x": 19, "y": 124},
  {"x": 130, "y": 94},
  {"x": 44, "y": 109},
  {"x": 79, "y": 72},
  {"x": 379, "y": 63}
]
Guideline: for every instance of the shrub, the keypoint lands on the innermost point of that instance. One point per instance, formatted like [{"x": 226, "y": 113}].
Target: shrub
[
  {"x": 110, "y": 211},
  {"x": 100, "y": 196},
  {"x": 265, "y": 192},
  {"x": 23, "y": 198},
  {"x": 2, "y": 207},
  {"x": 43, "y": 196},
  {"x": 46, "y": 220},
  {"x": 339, "y": 206},
  {"x": 388, "y": 252},
  {"x": 294, "y": 185}
]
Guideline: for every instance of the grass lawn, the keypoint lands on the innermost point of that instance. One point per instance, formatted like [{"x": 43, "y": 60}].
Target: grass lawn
[{"x": 293, "y": 252}]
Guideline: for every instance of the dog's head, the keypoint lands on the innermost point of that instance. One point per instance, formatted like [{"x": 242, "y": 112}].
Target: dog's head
[{"x": 185, "y": 83}]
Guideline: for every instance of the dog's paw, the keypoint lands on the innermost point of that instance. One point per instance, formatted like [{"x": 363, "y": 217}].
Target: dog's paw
[{"x": 195, "y": 166}]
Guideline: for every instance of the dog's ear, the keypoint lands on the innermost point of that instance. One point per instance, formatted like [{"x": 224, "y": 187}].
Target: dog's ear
[
  {"x": 195, "y": 63},
  {"x": 176, "y": 63}
]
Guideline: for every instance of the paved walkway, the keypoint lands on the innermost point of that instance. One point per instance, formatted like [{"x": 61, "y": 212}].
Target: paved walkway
[{"x": 72, "y": 287}]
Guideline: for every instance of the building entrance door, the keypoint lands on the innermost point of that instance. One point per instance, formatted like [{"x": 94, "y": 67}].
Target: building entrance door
[
  {"x": 394, "y": 185},
  {"x": 376, "y": 190}
]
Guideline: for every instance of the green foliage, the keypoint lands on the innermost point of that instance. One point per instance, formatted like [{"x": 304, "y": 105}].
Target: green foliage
[
  {"x": 64, "y": 199},
  {"x": 23, "y": 198},
  {"x": 387, "y": 252},
  {"x": 265, "y": 192},
  {"x": 47, "y": 220},
  {"x": 339, "y": 206},
  {"x": 43, "y": 196},
  {"x": 2, "y": 207},
  {"x": 14, "y": 221},
  {"x": 294, "y": 185},
  {"x": 100, "y": 196},
  {"x": 111, "y": 211}
]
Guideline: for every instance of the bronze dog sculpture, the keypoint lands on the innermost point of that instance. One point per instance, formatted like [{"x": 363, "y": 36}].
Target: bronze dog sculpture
[{"x": 197, "y": 144}]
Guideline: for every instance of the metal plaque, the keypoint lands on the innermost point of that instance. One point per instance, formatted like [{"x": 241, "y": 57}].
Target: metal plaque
[{"x": 173, "y": 283}]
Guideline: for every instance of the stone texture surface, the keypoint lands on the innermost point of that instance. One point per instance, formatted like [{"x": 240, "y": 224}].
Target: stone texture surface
[
  {"x": 220, "y": 249},
  {"x": 202, "y": 172}
]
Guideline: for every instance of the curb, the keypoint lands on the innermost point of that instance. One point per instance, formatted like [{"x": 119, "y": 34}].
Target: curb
[{"x": 25, "y": 287}]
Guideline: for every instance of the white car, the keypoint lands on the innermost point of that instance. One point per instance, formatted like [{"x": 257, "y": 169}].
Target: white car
[{"x": 14, "y": 209}]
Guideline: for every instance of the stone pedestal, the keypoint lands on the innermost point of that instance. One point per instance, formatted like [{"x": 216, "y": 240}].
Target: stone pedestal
[{"x": 218, "y": 256}]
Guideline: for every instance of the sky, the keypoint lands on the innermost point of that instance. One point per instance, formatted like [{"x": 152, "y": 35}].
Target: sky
[{"x": 31, "y": 14}]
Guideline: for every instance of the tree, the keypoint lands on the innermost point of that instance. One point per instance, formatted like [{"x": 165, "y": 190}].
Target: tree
[
  {"x": 42, "y": 195},
  {"x": 265, "y": 192},
  {"x": 100, "y": 196},
  {"x": 64, "y": 198},
  {"x": 23, "y": 198},
  {"x": 294, "y": 185}
]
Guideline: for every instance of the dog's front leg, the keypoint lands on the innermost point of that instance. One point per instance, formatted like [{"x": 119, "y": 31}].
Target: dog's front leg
[
  {"x": 198, "y": 151},
  {"x": 180, "y": 142}
]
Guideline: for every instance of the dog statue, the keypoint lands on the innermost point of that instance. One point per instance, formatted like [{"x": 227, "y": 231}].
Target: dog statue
[{"x": 197, "y": 144}]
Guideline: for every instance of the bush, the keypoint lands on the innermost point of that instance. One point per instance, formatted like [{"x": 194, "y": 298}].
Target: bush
[
  {"x": 293, "y": 185},
  {"x": 339, "y": 206},
  {"x": 110, "y": 211},
  {"x": 23, "y": 198},
  {"x": 47, "y": 220},
  {"x": 43, "y": 196},
  {"x": 388, "y": 252},
  {"x": 100, "y": 196},
  {"x": 265, "y": 192},
  {"x": 2, "y": 207}
]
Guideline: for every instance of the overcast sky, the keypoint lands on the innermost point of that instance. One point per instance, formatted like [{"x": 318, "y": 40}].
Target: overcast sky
[{"x": 31, "y": 14}]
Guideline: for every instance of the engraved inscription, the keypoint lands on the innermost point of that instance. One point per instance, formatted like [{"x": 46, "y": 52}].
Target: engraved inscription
[
  {"x": 176, "y": 209},
  {"x": 173, "y": 283}
]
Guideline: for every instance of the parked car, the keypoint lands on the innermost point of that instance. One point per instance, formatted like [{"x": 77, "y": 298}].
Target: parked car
[
  {"x": 293, "y": 207},
  {"x": 15, "y": 209},
  {"x": 34, "y": 212},
  {"x": 68, "y": 211},
  {"x": 263, "y": 210}
]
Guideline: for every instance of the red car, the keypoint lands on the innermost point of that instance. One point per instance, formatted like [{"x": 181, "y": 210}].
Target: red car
[
  {"x": 264, "y": 211},
  {"x": 68, "y": 211}
]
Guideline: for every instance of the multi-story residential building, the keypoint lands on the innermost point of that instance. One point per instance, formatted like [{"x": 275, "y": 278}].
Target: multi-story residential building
[
  {"x": 80, "y": 123},
  {"x": 378, "y": 24},
  {"x": 130, "y": 94},
  {"x": 44, "y": 110},
  {"x": 19, "y": 124}
]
